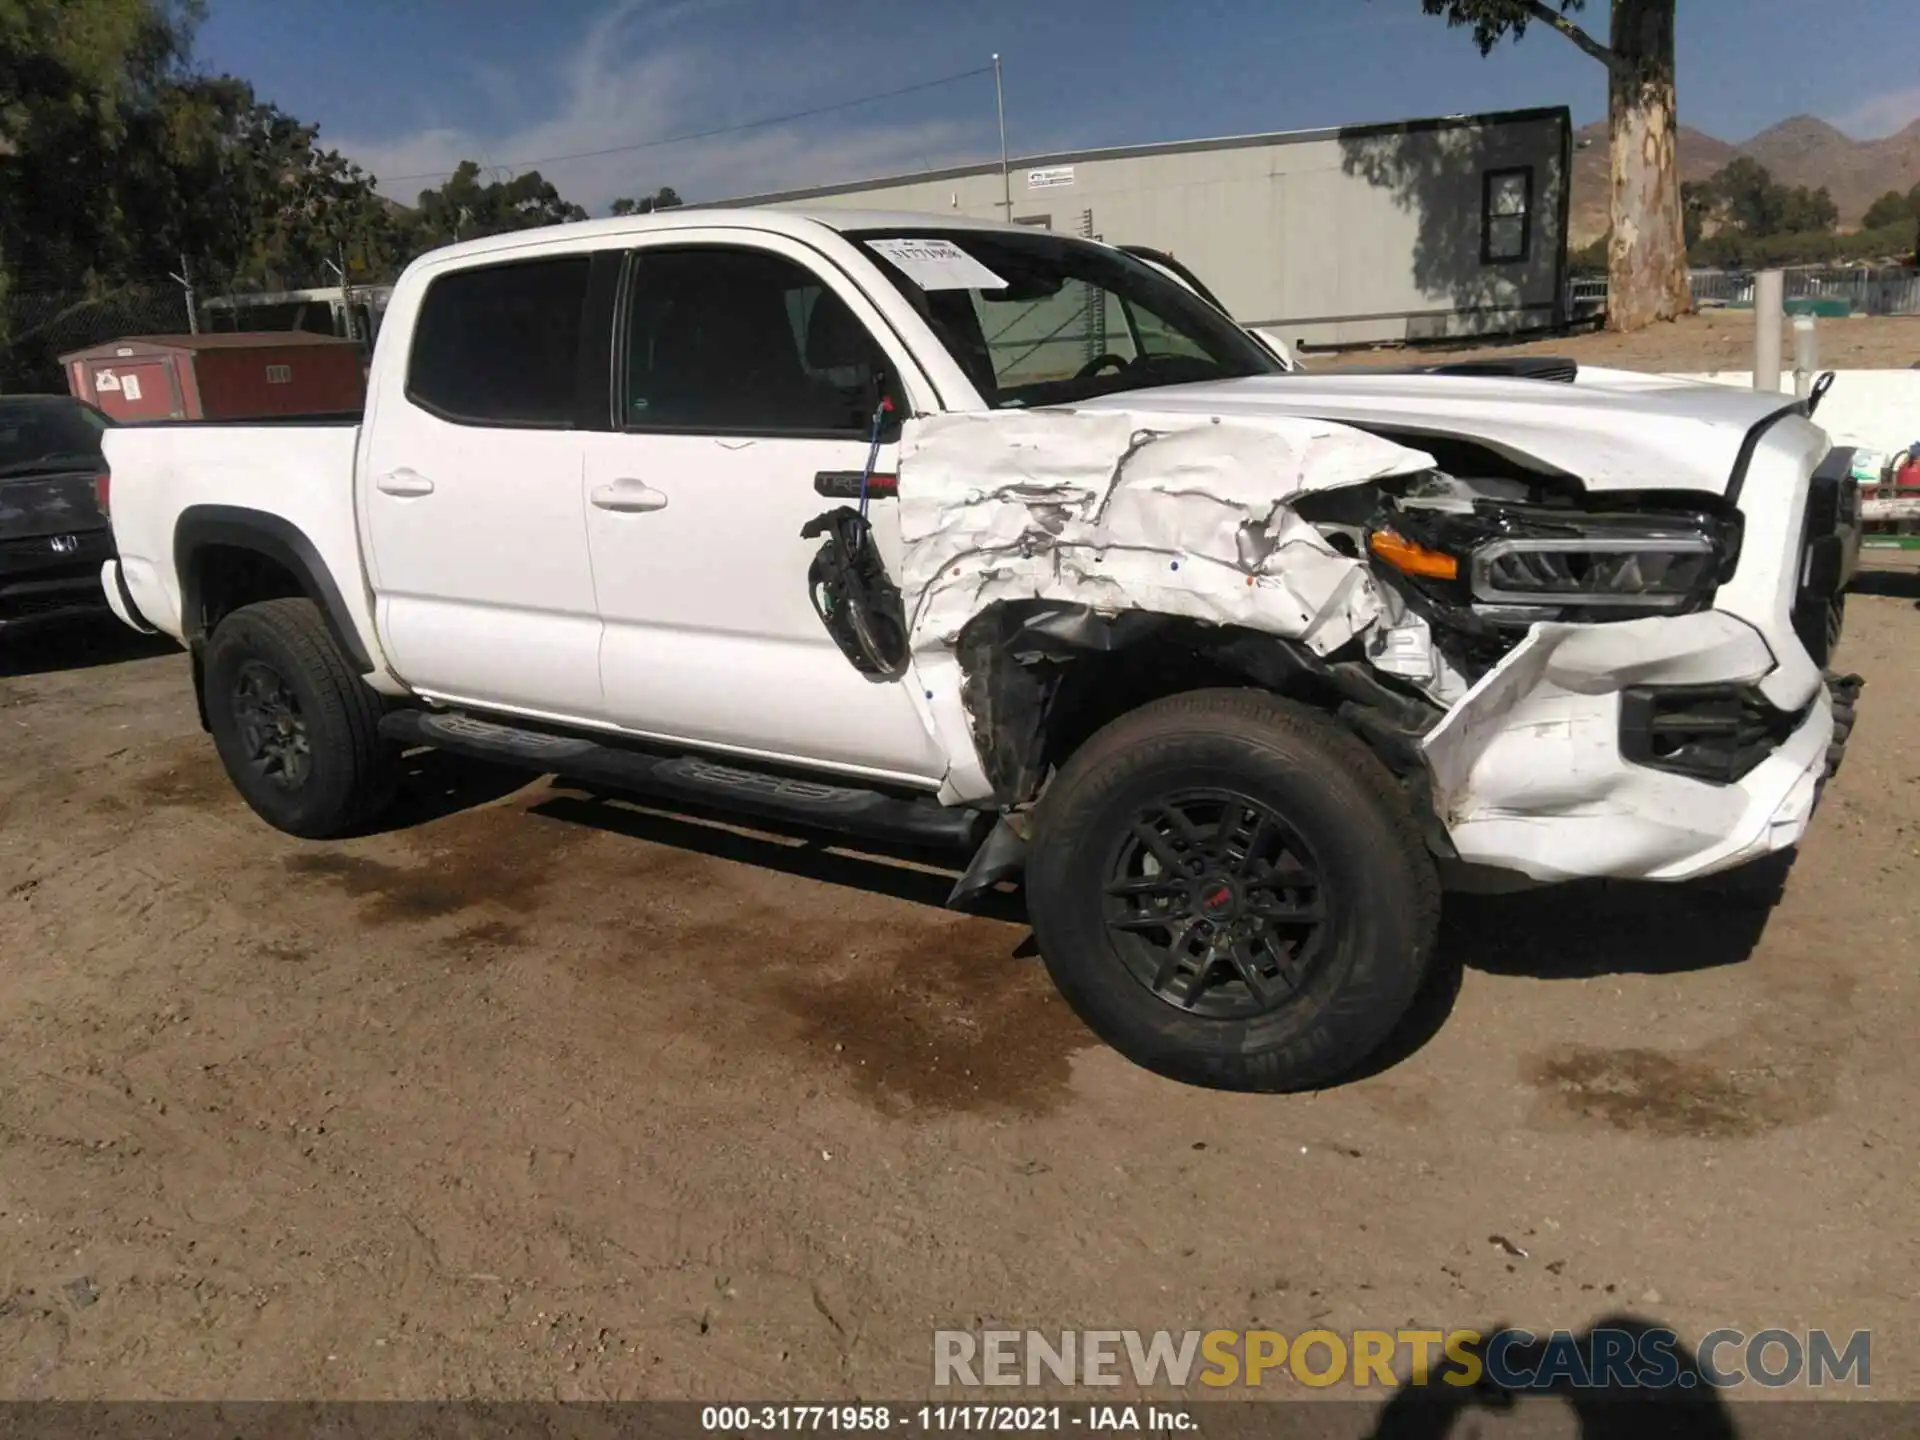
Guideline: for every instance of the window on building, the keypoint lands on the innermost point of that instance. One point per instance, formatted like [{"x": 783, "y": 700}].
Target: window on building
[
  {"x": 499, "y": 344},
  {"x": 1506, "y": 216},
  {"x": 727, "y": 340}
]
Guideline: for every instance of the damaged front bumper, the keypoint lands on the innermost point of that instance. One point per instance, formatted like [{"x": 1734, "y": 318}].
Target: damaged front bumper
[
  {"x": 1670, "y": 747},
  {"x": 1636, "y": 750},
  {"x": 1558, "y": 742}
]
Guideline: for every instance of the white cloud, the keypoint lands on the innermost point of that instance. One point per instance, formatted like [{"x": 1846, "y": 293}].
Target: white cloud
[
  {"x": 1883, "y": 114},
  {"x": 615, "y": 88}
]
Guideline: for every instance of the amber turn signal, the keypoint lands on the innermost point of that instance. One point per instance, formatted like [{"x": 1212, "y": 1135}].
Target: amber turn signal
[{"x": 1412, "y": 559}]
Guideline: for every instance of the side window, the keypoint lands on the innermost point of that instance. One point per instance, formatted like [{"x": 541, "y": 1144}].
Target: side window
[
  {"x": 499, "y": 345},
  {"x": 1506, "y": 213},
  {"x": 724, "y": 340}
]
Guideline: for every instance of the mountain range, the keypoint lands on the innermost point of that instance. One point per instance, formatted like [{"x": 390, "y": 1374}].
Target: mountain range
[{"x": 1800, "y": 151}]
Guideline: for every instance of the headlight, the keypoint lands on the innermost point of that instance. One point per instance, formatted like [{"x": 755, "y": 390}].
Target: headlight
[
  {"x": 1660, "y": 572},
  {"x": 1514, "y": 564}
]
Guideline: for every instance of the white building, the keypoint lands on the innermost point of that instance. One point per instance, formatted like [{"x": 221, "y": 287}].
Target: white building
[{"x": 1417, "y": 230}]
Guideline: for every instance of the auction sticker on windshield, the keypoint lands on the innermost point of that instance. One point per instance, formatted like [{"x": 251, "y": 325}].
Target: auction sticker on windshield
[{"x": 937, "y": 264}]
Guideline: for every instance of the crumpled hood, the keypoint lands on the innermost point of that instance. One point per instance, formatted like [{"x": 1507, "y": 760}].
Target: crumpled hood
[{"x": 1647, "y": 433}]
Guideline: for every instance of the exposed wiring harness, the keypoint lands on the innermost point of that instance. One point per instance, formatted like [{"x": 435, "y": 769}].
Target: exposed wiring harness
[{"x": 848, "y": 582}]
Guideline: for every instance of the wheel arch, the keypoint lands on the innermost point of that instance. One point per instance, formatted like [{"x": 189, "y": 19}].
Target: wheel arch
[
  {"x": 1042, "y": 678},
  {"x": 205, "y": 538}
]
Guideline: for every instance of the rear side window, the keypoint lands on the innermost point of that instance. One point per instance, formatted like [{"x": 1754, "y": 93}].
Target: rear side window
[{"x": 500, "y": 345}]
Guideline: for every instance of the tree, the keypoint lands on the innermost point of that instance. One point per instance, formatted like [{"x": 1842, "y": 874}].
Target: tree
[
  {"x": 1893, "y": 208},
  {"x": 83, "y": 56},
  {"x": 1889, "y": 209},
  {"x": 76, "y": 76},
  {"x": 1804, "y": 211},
  {"x": 119, "y": 164},
  {"x": 1590, "y": 259},
  {"x": 665, "y": 198},
  {"x": 1647, "y": 258},
  {"x": 247, "y": 194},
  {"x": 463, "y": 208},
  {"x": 1745, "y": 196},
  {"x": 1699, "y": 203}
]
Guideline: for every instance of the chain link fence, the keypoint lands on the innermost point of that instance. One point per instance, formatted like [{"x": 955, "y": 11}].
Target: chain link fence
[
  {"x": 1884, "y": 290},
  {"x": 38, "y": 327}
]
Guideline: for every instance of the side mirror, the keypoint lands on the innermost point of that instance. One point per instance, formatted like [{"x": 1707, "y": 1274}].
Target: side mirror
[{"x": 1276, "y": 345}]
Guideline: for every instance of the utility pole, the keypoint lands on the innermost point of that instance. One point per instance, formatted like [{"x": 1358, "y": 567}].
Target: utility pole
[
  {"x": 185, "y": 281},
  {"x": 1769, "y": 307},
  {"x": 1000, "y": 111},
  {"x": 345, "y": 316}
]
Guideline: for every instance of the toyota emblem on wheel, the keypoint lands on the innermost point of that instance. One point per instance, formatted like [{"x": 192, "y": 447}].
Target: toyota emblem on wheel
[{"x": 64, "y": 544}]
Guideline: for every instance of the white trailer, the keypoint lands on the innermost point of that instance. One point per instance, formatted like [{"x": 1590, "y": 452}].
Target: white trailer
[{"x": 1364, "y": 234}]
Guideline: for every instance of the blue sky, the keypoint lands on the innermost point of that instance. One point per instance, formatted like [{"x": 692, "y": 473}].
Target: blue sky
[{"x": 410, "y": 87}]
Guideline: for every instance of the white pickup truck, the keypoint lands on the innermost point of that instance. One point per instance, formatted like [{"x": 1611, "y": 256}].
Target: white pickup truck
[{"x": 974, "y": 536}]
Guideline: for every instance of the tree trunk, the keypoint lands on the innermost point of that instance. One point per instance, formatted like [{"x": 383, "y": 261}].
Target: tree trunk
[{"x": 1647, "y": 260}]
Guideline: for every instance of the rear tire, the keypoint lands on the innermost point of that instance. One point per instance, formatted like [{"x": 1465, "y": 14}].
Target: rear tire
[
  {"x": 296, "y": 727},
  {"x": 1300, "y": 902}
]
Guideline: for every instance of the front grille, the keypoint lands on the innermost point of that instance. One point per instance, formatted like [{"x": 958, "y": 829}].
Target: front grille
[
  {"x": 1716, "y": 733},
  {"x": 16, "y": 606}
]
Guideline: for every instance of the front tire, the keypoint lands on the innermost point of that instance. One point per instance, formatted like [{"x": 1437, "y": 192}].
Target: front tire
[
  {"x": 297, "y": 730},
  {"x": 1232, "y": 891}
]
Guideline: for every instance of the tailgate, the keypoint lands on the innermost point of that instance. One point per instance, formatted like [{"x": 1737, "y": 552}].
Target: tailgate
[{"x": 44, "y": 505}]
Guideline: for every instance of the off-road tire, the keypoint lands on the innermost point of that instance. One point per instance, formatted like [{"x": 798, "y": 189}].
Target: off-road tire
[
  {"x": 352, "y": 773},
  {"x": 1382, "y": 902}
]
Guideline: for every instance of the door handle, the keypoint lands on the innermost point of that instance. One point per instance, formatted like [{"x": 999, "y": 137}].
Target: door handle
[
  {"x": 845, "y": 485},
  {"x": 628, "y": 497},
  {"x": 404, "y": 483}
]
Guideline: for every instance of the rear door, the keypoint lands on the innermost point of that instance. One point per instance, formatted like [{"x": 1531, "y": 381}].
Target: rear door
[
  {"x": 471, "y": 491},
  {"x": 746, "y": 368}
]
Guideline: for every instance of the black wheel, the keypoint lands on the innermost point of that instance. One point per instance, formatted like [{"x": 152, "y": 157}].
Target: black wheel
[
  {"x": 1232, "y": 890},
  {"x": 296, "y": 728}
]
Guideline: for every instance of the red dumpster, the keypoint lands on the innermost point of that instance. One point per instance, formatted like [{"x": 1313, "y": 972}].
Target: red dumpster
[{"x": 219, "y": 377}]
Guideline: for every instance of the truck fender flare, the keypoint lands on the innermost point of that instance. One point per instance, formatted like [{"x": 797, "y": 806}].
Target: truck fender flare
[{"x": 280, "y": 541}]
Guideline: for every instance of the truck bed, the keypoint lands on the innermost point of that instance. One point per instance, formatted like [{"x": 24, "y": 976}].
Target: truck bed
[{"x": 298, "y": 476}]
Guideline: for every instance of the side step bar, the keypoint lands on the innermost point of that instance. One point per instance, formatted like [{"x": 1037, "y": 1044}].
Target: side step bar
[{"x": 687, "y": 777}]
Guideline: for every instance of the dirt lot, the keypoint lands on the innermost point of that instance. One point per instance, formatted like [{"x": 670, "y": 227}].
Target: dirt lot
[
  {"x": 538, "y": 1095},
  {"x": 1712, "y": 340}
]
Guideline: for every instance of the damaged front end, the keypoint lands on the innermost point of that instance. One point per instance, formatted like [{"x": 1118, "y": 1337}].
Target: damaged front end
[
  {"x": 1541, "y": 668},
  {"x": 1483, "y": 559}
]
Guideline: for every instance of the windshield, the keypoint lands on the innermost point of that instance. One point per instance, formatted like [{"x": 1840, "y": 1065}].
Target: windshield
[
  {"x": 48, "y": 433},
  {"x": 1045, "y": 320}
]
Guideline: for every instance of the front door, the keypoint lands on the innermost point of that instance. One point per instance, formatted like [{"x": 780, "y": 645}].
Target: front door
[
  {"x": 744, "y": 373},
  {"x": 471, "y": 495}
]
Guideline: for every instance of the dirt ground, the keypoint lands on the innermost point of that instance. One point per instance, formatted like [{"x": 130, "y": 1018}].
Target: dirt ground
[
  {"x": 1711, "y": 340},
  {"x": 540, "y": 1095}
]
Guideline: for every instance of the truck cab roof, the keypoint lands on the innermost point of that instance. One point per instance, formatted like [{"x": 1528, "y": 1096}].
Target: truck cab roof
[{"x": 796, "y": 220}]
